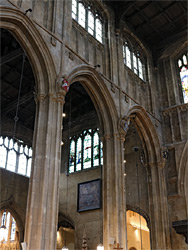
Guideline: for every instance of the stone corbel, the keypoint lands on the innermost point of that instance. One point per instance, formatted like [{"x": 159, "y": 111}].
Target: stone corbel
[{"x": 124, "y": 125}]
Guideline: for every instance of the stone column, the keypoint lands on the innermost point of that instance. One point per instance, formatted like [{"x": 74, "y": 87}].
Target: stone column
[
  {"x": 43, "y": 196},
  {"x": 158, "y": 208},
  {"x": 114, "y": 207}
]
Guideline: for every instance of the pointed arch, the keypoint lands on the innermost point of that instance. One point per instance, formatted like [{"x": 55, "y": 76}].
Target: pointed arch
[
  {"x": 147, "y": 131},
  {"x": 99, "y": 94},
  {"x": 26, "y": 33},
  {"x": 183, "y": 174}
]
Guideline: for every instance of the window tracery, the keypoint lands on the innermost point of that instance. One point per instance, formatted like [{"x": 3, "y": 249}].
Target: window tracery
[
  {"x": 15, "y": 156},
  {"x": 133, "y": 60},
  {"x": 88, "y": 18},
  {"x": 85, "y": 151},
  {"x": 182, "y": 64}
]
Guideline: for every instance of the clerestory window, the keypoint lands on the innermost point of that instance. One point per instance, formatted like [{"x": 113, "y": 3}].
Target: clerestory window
[
  {"x": 182, "y": 64},
  {"x": 15, "y": 156},
  {"x": 88, "y": 18},
  {"x": 133, "y": 60},
  {"x": 86, "y": 151}
]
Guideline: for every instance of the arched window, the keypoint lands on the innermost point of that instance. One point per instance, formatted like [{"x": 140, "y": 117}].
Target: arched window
[
  {"x": 133, "y": 60},
  {"x": 182, "y": 64},
  {"x": 9, "y": 231},
  {"x": 87, "y": 16},
  {"x": 85, "y": 151},
  {"x": 15, "y": 156}
]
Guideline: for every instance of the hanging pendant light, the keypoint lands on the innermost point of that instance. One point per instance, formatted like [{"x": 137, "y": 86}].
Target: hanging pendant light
[{"x": 100, "y": 247}]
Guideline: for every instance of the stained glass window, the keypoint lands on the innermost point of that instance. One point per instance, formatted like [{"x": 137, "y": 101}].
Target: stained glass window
[
  {"x": 79, "y": 154},
  {"x": 133, "y": 60},
  {"x": 96, "y": 149},
  {"x": 15, "y": 156},
  {"x": 72, "y": 156},
  {"x": 86, "y": 148},
  {"x": 88, "y": 18},
  {"x": 182, "y": 63},
  {"x": 87, "y": 151}
]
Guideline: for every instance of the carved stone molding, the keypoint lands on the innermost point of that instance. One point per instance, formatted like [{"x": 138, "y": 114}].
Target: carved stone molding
[
  {"x": 174, "y": 109},
  {"x": 107, "y": 137},
  {"x": 40, "y": 97}
]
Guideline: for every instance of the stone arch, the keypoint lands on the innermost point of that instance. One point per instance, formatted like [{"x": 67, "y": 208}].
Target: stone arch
[
  {"x": 147, "y": 132},
  {"x": 99, "y": 94},
  {"x": 141, "y": 212},
  {"x": 34, "y": 45},
  {"x": 183, "y": 174},
  {"x": 65, "y": 217},
  {"x": 11, "y": 206}
]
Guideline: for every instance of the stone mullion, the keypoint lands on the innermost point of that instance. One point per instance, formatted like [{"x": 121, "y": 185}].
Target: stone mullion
[{"x": 42, "y": 208}]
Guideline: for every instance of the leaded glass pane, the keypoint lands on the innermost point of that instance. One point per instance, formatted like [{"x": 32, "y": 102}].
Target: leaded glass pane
[
  {"x": 101, "y": 153},
  {"x": 22, "y": 164},
  {"x": 1, "y": 140},
  {"x": 87, "y": 152},
  {"x": 98, "y": 30},
  {"x": 140, "y": 68},
  {"x": 179, "y": 63},
  {"x": 184, "y": 60},
  {"x": 11, "y": 144},
  {"x": 11, "y": 162},
  {"x": 7, "y": 226},
  {"x": 72, "y": 157},
  {"x": 90, "y": 23},
  {"x": 128, "y": 57},
  {"x": 29, "y": 167},
  {"x": 21, "y": 149},
  {"x": 16, "y": 146},
  {"x": 13, "y": 230},
  {"x": 135, "y": 64},
  {"x": 30, "y": 152},
  {"x": 78, "y": 154},
  {"x": 184, "y": 81},
  {"x": 6, "y": 142},
  {"x": 74, "y": 9},
  {"x": 3, "y": 155},
  {"x": 96, "y": 149},
  {"x": 81, "y": 14}
]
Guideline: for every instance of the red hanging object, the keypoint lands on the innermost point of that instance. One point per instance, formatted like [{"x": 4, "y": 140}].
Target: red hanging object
[{"x": 65, "y": 85}]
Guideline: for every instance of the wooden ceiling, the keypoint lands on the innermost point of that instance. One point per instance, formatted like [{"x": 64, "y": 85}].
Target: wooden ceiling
[{"x": 154, "y": 22}]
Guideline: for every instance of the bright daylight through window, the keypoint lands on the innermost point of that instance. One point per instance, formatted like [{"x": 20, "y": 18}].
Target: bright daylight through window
[
  {"x": 88, "y": 18},
  {"x": 182, "y": 63},
  {"x": 15, "y": 156}
]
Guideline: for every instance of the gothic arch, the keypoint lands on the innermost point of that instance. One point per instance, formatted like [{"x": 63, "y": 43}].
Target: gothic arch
[
  {"x": 183, "y": 174},
  {"x": 34, "y": 45},
  {"x": 11, "y": 206},
  {"x": 99, "y": 94},
  {"x": 141, "y": 212},
  {"x": 147, "y": 130}
]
